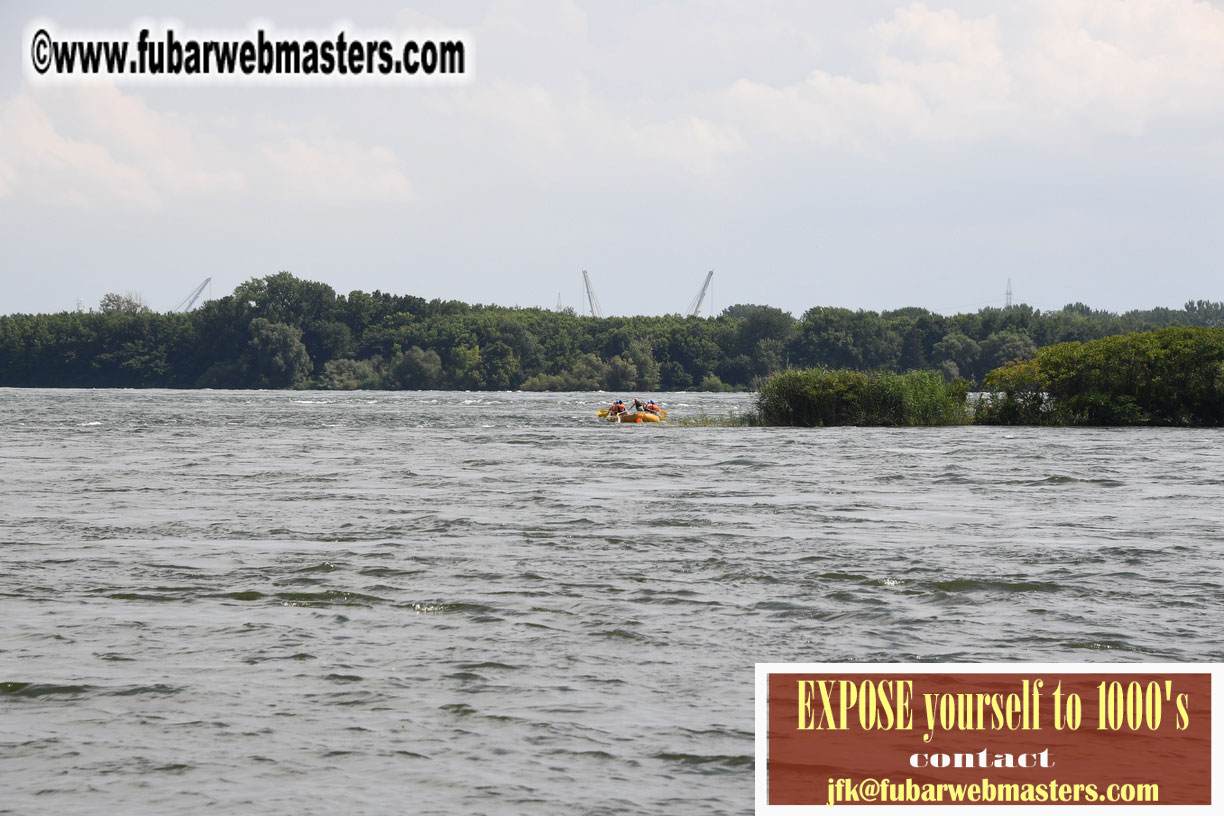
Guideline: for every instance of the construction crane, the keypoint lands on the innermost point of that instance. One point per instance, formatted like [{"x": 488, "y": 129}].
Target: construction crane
[
  {"x": 590, "y": 293},
  {"x": 695, "y": 306},
  {"x": 186, "y": 303}
]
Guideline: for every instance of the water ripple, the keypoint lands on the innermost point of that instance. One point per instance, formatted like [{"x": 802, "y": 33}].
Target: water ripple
[{"x": 500, "y": 604}]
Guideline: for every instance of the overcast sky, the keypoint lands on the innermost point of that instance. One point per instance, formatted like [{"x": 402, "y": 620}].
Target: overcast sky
[{"x": 860, "y": 154}]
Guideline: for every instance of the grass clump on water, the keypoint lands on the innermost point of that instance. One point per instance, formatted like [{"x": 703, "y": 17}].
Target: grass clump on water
[
  {"x": 818, "y": 397},
  {"x": 729, "y": 420}
]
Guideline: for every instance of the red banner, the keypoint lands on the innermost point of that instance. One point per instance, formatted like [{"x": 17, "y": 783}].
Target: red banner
[{"x": 1043, "y": 737}]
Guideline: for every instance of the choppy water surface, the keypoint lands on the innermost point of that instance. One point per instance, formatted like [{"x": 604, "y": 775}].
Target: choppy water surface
[{"x": 226, "y": 602}]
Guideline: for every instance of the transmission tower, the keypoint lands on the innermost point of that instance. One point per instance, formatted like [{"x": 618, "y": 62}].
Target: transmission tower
[{"x": 1009, "y": 294}]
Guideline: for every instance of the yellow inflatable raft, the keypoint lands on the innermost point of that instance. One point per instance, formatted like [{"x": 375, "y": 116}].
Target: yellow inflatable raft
[{"x": 635, "y": 416}]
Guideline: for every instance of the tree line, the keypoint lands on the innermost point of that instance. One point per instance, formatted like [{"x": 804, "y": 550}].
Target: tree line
[{"x": 283, "y": 332}]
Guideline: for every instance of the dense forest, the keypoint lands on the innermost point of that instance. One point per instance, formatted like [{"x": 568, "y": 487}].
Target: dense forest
[{"x": 283, "y": 332}]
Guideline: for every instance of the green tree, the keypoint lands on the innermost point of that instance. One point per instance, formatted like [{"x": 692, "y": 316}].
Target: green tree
[
  {"x": 500, "y": 368},
  {"x": 1168, "y": 376},
  {"x": 840, "y": 338},
  {"x": 1204, "y": 313},
  {"x": 127, "y": 303},
  {"x": 277, "y": 356},
  {"x": 960, "y": 350},
  {"x": 417, "y": 369},
  {"x": 642, "y": 359},
  {"x": 619, "y": 375},
  {"x": 586, "y": 374},
  {"x": 1005, "y": 345},
  {"x": 465, "y": 368},
  {"x": 673, "y": 377},
  {"x": 282, "y": 298},
  {"x": 348, "y": 375}
]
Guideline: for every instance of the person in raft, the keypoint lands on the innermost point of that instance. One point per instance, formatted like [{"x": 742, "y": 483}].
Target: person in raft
[
  {"x": 618, "y": 407},
  {"x": 652, "y": 407},
  {"x": 637, "y": 405}
]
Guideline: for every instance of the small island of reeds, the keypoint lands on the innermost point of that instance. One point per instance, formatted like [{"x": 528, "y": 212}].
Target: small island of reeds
[{"x": 820, "y": 397}]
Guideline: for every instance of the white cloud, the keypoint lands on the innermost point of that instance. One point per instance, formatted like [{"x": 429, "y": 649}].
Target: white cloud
[
  {"x": 49, "y": 166},
  {"x": 97, "y": 146},
  {"x": 333, "y": 168},
  {"x": 659, "y": 133},
  {"x": 696, "y": 144},
  {"x": 586, "y": 136},
  {"x": 7, "y": 178},
  {"x": 94, "y": 145},
  {"x": 1080, "y": 67},
  {"x": 538, "y": 39},
  {"x": 1128, "y": 63},
  {"x": 161, "y": 144},
  {"x": 414, "y": 20}
]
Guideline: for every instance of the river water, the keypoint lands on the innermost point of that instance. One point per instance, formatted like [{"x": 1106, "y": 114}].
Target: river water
[{"x": 229, "y": 602}]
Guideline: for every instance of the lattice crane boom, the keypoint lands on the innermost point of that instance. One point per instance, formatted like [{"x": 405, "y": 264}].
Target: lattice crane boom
[
  {"x": 590, "y": 293},
  {"x": 695, "y": 306},
  {"x": 186, "y": 303}
]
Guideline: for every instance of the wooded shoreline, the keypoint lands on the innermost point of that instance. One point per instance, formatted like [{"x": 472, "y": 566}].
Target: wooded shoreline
[{"x": 283, "y": 332}]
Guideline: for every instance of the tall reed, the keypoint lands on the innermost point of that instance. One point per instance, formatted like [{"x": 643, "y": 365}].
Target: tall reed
[{"x": 818, "y": 397}]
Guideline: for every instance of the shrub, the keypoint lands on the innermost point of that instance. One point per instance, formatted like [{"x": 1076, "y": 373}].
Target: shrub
[
  {"x": 1171, "y": 376},
  {"x": 821, "y": 397}
]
